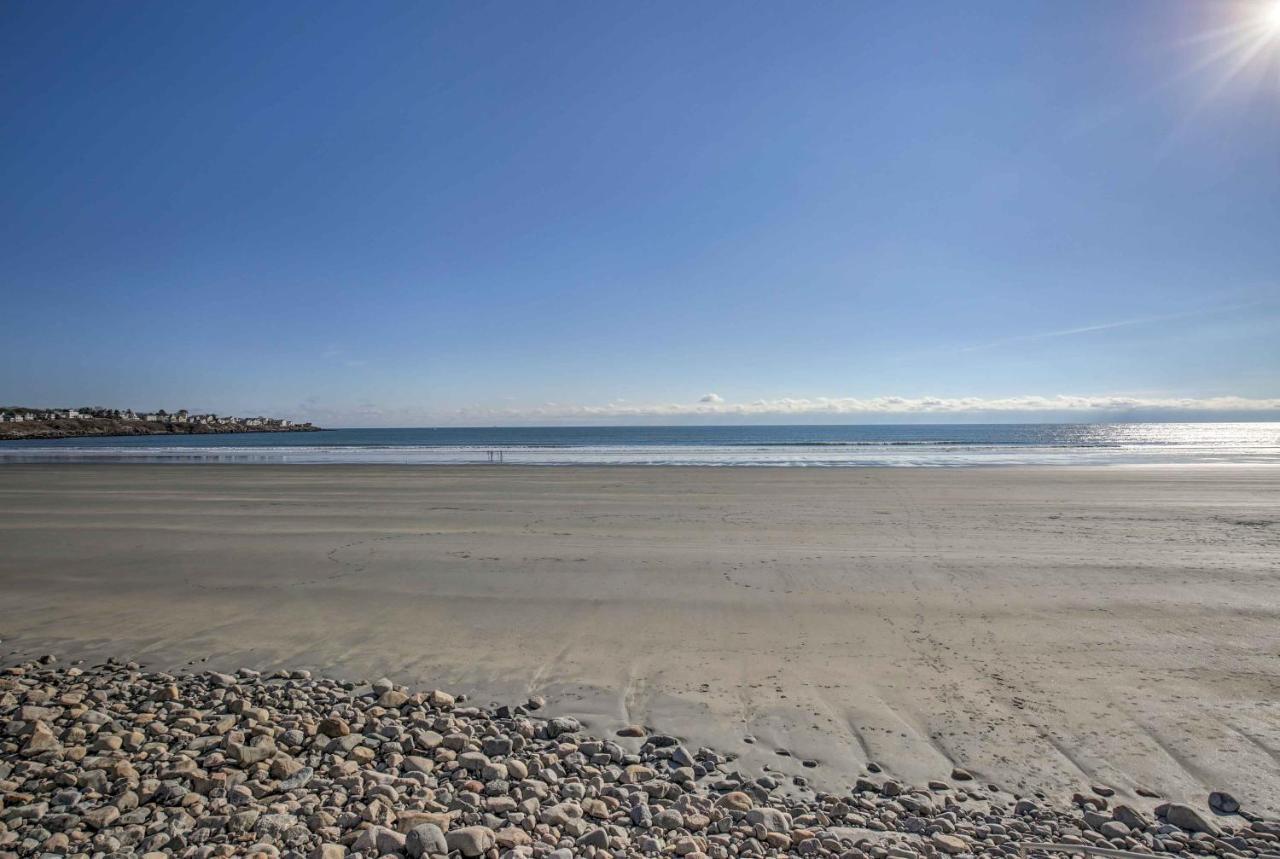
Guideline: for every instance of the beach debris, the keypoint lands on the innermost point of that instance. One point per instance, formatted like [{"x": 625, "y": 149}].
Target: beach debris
[{"x": 113, "y": 760}]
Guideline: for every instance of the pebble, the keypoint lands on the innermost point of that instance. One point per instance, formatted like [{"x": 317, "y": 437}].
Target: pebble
[{"x": 112, "y": 760}]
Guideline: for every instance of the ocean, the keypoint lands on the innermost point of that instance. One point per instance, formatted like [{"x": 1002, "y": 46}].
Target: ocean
[{"x": 810, "y": 446}]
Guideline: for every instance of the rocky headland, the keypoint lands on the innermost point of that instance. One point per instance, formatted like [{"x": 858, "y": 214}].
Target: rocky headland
[{"x": 98, "y": 426}]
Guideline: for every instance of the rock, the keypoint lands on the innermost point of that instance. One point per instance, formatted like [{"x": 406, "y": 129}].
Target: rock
[
  {"x": 636, "y": 774},
  {"x": 245, "y": 756},
  {"x": 328, "y": 851},
  {"x": 298, "y": 780},
  {"x": 668, "y": 818},
  {"x": 949, "y": 843},
  {"x": 407, "y": 821},
  {"x": 735, "y": 801},
  {"x": 390, "y": 841},
  {"x": 1223, "y": 802},
  {"x": 272, "y": 826},
  {"x": 917, "y": 803},
  {"x": 470, "y": 840},
  {"x": 418, "y": 764},
  {"x": 344, "y": 744},
  {"x": 770, "y": 818},
  {"x": 594, "y": 838},
  {"x": 561, "y": 814},
  {"x": 632, "y": 731},
  {"x": 1186, "y": 817},
  {"x": 1113, "y": 829},
  {"x": 243, "y": 821},
  {"x": 958, "y": 774},
  {"x": 472, "y": 761},
  {"x": 423, "y": 839},
  {"x": 1130, "y": 817},
  {"x": 681, "y": 757},
  {"x": 563, "y": 725},
  {"x": 372, "y": 839},
  {"x": 332, "y": 726},
  {"x": 102, "y": 817},
  {"x": 283, "y": 766},
  {"x": 42, "y": 739},
  {"x": 511, "y": 837}
]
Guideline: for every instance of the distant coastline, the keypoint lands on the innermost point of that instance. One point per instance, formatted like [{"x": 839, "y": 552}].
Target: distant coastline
[
  {"x": 958, "y": 445},
  {"x": 29, "y": 423}
]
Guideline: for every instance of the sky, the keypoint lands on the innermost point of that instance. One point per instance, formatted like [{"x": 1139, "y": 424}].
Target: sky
[{"x": 401, "y": 214}]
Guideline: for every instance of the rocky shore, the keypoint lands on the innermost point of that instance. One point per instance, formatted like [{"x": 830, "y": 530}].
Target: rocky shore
[
  {"x": 95, "y": 427},
  {"x": 113, "y": 760}
]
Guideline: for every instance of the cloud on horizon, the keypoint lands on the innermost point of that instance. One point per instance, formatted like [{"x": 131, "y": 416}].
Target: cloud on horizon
[
  {"x": 712, "y": 405},
  {"x": 712, "y": 408}
]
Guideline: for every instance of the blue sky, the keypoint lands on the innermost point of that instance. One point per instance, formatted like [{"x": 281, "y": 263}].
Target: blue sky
[{"x": 409, "y": 213}]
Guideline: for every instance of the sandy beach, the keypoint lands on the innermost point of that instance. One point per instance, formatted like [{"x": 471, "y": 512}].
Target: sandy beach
[{"x": 1046, "y": 629}]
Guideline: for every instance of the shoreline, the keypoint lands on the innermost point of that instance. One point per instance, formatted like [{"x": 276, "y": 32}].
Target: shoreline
[{"x": 1045, "y": 628}]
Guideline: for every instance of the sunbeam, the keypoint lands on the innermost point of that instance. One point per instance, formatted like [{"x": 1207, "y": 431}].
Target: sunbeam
[{"x": 1243, "y": 53}]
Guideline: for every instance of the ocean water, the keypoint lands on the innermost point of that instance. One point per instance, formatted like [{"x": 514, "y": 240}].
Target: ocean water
[{"x": 814, "y": 446}]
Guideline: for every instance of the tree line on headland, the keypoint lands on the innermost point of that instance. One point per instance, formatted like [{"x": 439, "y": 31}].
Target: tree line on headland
[{"x": 17, "y": 422}]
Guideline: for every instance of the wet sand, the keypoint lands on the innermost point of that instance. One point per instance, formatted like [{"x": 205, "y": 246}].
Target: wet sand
[{"x": 1044, "y": 628}]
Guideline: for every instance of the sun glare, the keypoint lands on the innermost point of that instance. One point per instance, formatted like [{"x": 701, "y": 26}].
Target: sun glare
[
  {"x": 1244, "y": 49},
  {"x": 1271, "y": 17}
]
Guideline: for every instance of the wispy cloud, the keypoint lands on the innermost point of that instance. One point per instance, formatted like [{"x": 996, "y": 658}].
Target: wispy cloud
[{"x": 1107, "y": 326}]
